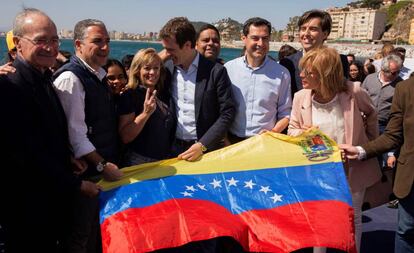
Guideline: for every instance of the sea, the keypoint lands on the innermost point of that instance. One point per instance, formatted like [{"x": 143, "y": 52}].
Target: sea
[{"x": 121, "y": 48}]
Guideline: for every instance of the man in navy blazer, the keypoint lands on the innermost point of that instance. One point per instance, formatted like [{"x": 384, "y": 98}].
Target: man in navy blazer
[{"x": 200, "y": 90}]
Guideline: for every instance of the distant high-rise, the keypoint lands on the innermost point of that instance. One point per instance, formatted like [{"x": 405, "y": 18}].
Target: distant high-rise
[{"x": 357, "y": 23}]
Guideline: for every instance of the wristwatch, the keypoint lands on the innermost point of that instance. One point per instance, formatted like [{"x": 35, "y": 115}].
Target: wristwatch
[
  {"x": 101, "y": 165},
  {"x": 203, "y": 148}
]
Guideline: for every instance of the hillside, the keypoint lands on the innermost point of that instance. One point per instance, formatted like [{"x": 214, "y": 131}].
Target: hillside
[
  {"x": 399, "y": 21},
  {"x": 229, "y": 29}
]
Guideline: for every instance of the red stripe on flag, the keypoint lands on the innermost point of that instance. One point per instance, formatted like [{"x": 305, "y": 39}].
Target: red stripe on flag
[{"x": 284, "y": 229}]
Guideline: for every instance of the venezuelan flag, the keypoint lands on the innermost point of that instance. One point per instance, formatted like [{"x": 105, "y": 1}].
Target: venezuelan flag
[{"x": 271, "y": 193}]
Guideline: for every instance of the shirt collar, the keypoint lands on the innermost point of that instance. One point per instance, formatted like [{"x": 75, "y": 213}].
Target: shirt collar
[
  {"x": 381, "y": 80},
  {"x": 193, "y": 66},
  {"x": 255, "y": 68},
  {"x": 100, "y": 73}
]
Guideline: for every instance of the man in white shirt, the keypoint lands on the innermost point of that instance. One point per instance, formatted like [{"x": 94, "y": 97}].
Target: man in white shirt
[
  {"x": 261, "y": 86},
  {"x": 90, "y": 112}
]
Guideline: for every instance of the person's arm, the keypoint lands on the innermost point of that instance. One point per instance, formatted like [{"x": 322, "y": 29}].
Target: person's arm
[
  {"x": 72, "y": 96},
  {"x": 281, "y": 125},
  {"x": 220, "y": 127},
  {"x": 393, "y": 136},
  {"x": 130, "y": 126},
  {"x": 284, "y": 103},
  {"x": 366, "y": 106},
  {"x": 7, "y": 68}
]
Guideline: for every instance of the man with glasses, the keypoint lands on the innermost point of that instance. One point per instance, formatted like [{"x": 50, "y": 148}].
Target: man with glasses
[
  {"x": 90, "y": 110},
  {"x": 34, "y": 134},
  {"x": 380, "y": 87},
  {"x": 261, "y": 86}
]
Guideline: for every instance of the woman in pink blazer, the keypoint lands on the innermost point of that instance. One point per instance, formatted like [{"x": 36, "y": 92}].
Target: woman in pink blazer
[{"x": 343, "y": 111}]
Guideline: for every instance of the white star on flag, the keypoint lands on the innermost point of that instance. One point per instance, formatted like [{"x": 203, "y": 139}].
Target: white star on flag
[
  {"x": 190, "y": 188},
  {"x": 187, "y": 194},
  {"x": 216, "y": 183},
  {"x": 249, "y": 184},
  {"x": 276, "y": 198},
  {"x": 265, "y": 189},
  {"x": 232, "y": 181},
  {"x": 202, "y": 187}
]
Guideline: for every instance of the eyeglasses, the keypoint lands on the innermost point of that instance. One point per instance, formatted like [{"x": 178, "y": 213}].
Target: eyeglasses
[{"x": 44, "y": 42}]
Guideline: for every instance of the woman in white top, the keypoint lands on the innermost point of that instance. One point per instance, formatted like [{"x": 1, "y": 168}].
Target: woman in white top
[{"x": 343, "y": 111}]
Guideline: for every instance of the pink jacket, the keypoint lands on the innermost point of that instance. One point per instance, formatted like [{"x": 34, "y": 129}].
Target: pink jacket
[{"x": 362, "y": 174}]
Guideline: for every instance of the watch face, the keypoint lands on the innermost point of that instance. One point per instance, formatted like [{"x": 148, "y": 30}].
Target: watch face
[{"x": 100, "y": 167}]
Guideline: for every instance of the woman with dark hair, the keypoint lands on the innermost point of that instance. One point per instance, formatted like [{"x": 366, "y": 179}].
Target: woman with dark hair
[
  {"x": 146, "y": 123},
  {"x": 369, "y": 66},
  {"x": 116, "y": 76},
  {"x": 356, "y": 72}
]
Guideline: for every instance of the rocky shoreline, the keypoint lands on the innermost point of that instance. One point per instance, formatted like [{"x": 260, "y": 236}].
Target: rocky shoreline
[{"x": 359, "y": 50}]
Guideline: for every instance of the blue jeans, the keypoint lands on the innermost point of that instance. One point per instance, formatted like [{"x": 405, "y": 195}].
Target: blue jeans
[{"x": 404, "y": 238}]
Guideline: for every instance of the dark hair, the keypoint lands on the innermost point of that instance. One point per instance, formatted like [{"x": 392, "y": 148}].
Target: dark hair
[
  {"x": 256, "y": 21},
  {"x": 400, "y": 49},
  {"x": 114, "y": 62},
  {"x": 361, "y": 74},
  {"x": 326, "y": 20},
  {"x": 285, "y": 51},
  {"x": 352, "y": 55},
  {"x": 370, "y": 68},
  {"x": 81, "y": 27},
  {"x": 126, "y": 60},
  {"x": 181, "y": 29},
  {"x": 67, "y": 54},
  {"x": 206, "y": 27}
]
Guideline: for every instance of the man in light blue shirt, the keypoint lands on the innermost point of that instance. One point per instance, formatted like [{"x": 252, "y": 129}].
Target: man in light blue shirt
[{"x": 261, "y": 86}]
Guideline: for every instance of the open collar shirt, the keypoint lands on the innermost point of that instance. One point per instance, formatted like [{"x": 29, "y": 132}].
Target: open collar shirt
[
  {"x": 72, "y": 96},
  {"x": 262, "y": 95},
  {"x": 183, "y": 94}
]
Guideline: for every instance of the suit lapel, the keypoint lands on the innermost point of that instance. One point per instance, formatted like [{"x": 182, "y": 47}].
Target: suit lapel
[
  {"x": 307, "y": 109},
  {"x": 201, "y": 81},
  {"x": 347, "y": 102}
]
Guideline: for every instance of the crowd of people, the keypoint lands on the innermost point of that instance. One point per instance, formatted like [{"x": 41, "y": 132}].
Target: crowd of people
[{"x": 71, "y": 120}]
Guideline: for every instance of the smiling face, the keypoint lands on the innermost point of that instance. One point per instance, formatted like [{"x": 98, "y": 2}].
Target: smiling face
[
  {"x": 311, "y": 34},
  {"x": 173, "y": 50},
  {"x": 149, "y": 74},
  {"x": 116, "y": 78},
  {"x": 353, "y": 71},
  {"x": 208, "y": 44},
  {"x": 257, "y": 43},
  {"x": 94, "y": 48},
  {"x": 39, "y": 44}
]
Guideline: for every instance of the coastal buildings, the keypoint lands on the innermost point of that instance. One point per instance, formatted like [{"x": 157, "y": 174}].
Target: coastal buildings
[{"x": 362, "y": 24}]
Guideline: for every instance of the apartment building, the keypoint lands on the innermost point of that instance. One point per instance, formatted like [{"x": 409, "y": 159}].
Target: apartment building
[{"x": 357, "y": 23}]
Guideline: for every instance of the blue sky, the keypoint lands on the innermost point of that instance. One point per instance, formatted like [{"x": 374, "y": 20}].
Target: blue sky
[{"x": 139, "y": 16}]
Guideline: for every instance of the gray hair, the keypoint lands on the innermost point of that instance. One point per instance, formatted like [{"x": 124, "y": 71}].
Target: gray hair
[
  {"x": 385, "y": 64},
  {"x": 20, "y": 19},
  {"x": 81, "y": 26}
]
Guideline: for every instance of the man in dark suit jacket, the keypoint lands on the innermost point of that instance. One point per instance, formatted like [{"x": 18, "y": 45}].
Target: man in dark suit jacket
[
  {"x": 37, "y": 178},
  {"x": 399, "y": 132},
  {"x": 201, "y": 92},
  {"x": 314, "y": 29}
]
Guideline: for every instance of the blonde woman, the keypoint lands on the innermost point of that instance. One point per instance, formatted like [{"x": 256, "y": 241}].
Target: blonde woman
[
  {"x": 334, "y": 105},
  {"x": 146, "y": 123}
]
